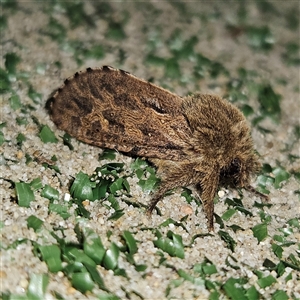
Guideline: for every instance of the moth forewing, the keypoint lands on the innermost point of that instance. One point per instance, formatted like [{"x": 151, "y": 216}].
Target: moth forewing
[{"x": 195, "y": 140}]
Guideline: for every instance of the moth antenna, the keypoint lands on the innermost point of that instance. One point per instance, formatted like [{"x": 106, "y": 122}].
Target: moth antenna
[{"x": 252, "y": 190}]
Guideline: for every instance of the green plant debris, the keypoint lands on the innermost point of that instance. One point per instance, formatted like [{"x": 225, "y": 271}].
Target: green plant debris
[
  {"x": 37, "y": 286},
  {"x": 15, "y": 102},
  {"x": 110, "y": 259},
  {"x": 130, "y": 242},
  {"x": 115, "y": 31},
  {"x": 24, "y": 194},
  {"x": 266, "y": 281},
  {"x": 171, "y": 244},
  {"x": 51, "y": 254},
  {"x": 291, "y": 54},
  {"x": 280, "y": 176},
  {"x": 92, "y": 245},
  {"x": 146, "y": 175},
  {"x": 60, "y": 209},
  {"x": 67, "y": 141},
  {"x": 11, "y": 62},
  {"x": 82, "y": 281},
  {"x": 34, "y": 96},
  {"x": 269, "y": 102},
  {"x": 55, "y": 30},
  {"x": 4, "y": 82},
  {"x": 77, "y": 14},
  {"x": 34, "y": 223},
  {"x": 50, "y": 193},
  {"x": 82, "y": 187},
  {"x": 280, "y": 295},
  {"x": 107, "y": 154},
  {"x": 260, "y": 231},
  {"x": 260, "y": 38},
  {"x": 46, "y": 135},
  {"x": 228, "y": 214},
  {"x": 229, "y": 241},
  {"x": 20, "y": 139}
]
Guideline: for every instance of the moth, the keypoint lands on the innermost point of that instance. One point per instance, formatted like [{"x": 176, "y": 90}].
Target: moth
[{"x": 201, "y": 141}]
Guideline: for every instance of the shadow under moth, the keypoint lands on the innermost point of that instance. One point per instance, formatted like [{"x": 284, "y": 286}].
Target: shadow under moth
[{"x": 200, "y": 141}]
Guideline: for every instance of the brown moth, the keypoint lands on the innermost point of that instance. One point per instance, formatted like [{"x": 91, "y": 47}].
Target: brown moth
[{"x": 201, "y": 141}]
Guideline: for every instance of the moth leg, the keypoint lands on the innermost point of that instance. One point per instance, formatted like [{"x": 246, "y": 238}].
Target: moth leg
[
  {"x": 252, "y": 190},
  {"x": 207, "y": 189},
  {"x": 172, "y": 175},
  {"x": 158, "y": 195}
]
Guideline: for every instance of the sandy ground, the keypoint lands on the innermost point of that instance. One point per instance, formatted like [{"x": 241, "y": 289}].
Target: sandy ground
[{"x": 46, "y": 59}]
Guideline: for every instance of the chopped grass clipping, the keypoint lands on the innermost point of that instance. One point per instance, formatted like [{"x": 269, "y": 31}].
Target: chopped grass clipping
[
  {"x": 47, "y": 135},
  {"x": 34, "y": 223},
  {"x": 260, "y": 231},
  {"x": 172, "y": 243},
  {"x": 37, "y": 286},
  {"x": 24, "y": 194}
]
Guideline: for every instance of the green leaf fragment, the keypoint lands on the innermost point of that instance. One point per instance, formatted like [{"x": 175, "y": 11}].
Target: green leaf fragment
[
  {"x": 277, "y": 250},
  {"x": 67, "y": 141},
  {"x": 37, "y": 286},
  {"x": 280, "y": 295},
  {"x": 266, "y": 281},
  {"x": 233, "y": 290},
  {"x": 269, "y": 101},
  {"x": 171, "y": 244},
  {"x": 115, "y": 31},
  {"x": 60, "y": 209},
  {"x": 11, "y": 61},
  {"x": 4, "y": 82},
  {"x": 34, "y": 223},
  {"x": 34, "y": 96},
  {"x": 214, "y": 295},
  {"x": 294, "y": 223},
  {"x": 95, "y": 276},
  {"x": 230, "y": 242},
  {"x": 96, "y": 52},
  {"x": 51, "y": 254},
  {"x": 92, "y": 245},
  {"x": 50, "y": 193},
  {"x": 209, "y": 269},
  {"x": 116, "y": 215},
  {"x": 24, "y": 194},
  {"x": 15, "y": 102},
  {"x": 116, "y": 185},
  {"x": 280, "y": 176},
  {"x": 82, "y": 281},
  {"x": 260, "y": 231},
  {"x": 130, "y": 242},
  {"x": 260, "y": 38},
  {"x": 110, "y": 260},
  {"x": 107, "y": 154},
  {"x": 46, "y": 135},
  {"x": 82, "y": 187},
  {"x": 183, "y": 274},
  {"x": 228, "y": 214},
  {"x": 20, "y": 139},
  {"x": 252, "y": 293},
  {"x": 79, "y": 256}
]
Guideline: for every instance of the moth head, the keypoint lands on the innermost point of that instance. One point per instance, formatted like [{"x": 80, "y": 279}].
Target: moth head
[{"x": 238, "y": 172}]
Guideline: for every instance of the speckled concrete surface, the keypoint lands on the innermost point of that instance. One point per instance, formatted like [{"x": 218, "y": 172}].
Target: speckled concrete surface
[{"x": 48, "y": 55}]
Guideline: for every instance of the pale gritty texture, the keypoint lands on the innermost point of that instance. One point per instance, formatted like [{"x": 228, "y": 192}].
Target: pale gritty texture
[{"x": 201, "y": 141}]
